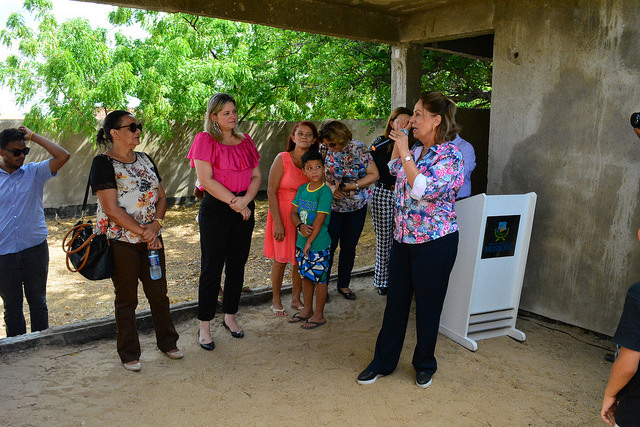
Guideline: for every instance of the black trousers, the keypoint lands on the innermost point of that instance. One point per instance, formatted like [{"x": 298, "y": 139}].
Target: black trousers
[
  {"x": 27, "y": 268},
  {"x": 345, "y": 229},
  {"x": 423, "y": 270},
  {"x": 225, "y": 241}
]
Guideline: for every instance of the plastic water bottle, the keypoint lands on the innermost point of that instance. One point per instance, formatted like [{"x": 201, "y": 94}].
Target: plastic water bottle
[{"x": 154, "y": 265}]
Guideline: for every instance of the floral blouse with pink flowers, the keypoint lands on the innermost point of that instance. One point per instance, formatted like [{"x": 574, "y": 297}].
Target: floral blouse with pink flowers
[
  {"x": 137, "y": 185},
  {"x": 426, "y": 211}
]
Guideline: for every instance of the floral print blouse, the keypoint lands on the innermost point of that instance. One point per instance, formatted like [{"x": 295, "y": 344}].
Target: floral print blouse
[
  {"x": 348, "y": 165},
  {"x": 426, "y": 211},
  {"x": 137, "y": 185}
]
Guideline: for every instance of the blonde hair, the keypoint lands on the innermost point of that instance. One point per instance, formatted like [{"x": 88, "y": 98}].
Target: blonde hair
[
  {"x": 436, "y": 103},
  {"x": 214, "y": 106}
]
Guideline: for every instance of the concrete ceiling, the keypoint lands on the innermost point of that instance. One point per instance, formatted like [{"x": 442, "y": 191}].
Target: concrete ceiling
[
  {"x": 384, "y": 21},
  {"x": 392, "y": 7}
]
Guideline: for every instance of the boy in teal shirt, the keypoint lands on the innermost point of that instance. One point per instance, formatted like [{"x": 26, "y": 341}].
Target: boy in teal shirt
[{"x": 312, "y": 209}]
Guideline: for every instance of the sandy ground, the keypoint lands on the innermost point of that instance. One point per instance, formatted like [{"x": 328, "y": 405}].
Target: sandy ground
[
  {"x": 72, "y": 298},
  {"x": 282, "y": 375}
]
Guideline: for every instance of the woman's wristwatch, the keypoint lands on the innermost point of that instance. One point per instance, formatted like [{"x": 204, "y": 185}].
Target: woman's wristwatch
[
  {"x": 298, "y": 226},
  {"x": 160, "y": 221},
  {"x": 406, "y": 159}
]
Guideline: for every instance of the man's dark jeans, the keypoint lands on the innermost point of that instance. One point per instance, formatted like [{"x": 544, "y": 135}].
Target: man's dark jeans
[{"x": 26, "y": 268}]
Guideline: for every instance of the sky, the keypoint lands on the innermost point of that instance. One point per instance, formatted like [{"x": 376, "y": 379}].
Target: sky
[{"x": 63, "y": 10}]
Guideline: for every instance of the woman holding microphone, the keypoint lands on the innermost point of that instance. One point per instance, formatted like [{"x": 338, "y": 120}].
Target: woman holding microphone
[{"x": 425, "y": 236}]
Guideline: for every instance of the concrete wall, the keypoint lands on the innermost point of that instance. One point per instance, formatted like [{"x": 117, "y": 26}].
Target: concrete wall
[
  {"x": 178, "y": 178},
  {"x": 64, "y": 193},
  {"x": 566, "y": 79}
]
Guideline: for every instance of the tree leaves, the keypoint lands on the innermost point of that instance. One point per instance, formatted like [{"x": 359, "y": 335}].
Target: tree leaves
[{"x": 68, "y": 73}]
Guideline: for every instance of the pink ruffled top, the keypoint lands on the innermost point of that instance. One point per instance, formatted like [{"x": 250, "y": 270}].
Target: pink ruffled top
[{"x": 231, "y": 164}]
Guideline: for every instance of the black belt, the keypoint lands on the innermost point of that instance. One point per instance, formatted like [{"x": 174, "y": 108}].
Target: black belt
[{"x": 386, "y": 186}]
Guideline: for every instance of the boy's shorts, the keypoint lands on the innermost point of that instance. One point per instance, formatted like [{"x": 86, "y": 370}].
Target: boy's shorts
[{"x": 313, "y": 267}]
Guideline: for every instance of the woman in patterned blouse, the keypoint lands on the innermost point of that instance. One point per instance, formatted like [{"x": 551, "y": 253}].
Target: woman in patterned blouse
[
  {"x": 131, "y": 208},
  {"x": 349, "y": 171},
  {"x": 425, "y": 236}
]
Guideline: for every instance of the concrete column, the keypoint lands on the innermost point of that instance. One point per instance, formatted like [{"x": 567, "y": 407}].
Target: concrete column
[{"x": 406, "y": 71}]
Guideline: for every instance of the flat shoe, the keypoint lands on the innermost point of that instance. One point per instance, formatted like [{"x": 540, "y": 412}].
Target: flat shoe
[
  {"x": 368, "y": 377},
  {"x": 133, "y": 367},
  {"x": 382, "y": 291},
  {"x": 278, "y": 312},
  {"x": 206, "y": 346},
  {"x": 175, "y": 354},
  {"x": 348, "y": 295},
  {"x": 312, "y": 325},
  {"x": 238, "y": 334},
  {"x": 296, "y": 318},
  {"x": 423, "y": 379}
]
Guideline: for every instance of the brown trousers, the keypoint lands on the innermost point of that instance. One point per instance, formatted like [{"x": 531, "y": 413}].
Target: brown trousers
[{"x": 130, "y": 264}]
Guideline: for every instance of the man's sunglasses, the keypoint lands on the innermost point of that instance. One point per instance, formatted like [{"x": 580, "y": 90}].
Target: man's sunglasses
[
  {"x": 16, "y": 152},
  {"x": 132, "y": 127}
]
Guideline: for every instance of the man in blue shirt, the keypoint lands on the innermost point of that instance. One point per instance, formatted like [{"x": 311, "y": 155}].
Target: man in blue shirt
[
  {"x": 469, "y": 161},
  {"x": 24, "y": 254}
]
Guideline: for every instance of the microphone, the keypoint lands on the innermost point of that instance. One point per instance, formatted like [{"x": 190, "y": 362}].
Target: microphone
[{"x": 387, "y": 141}]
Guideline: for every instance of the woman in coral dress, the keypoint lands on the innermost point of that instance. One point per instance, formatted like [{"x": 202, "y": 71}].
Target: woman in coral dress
[{"x": 285, "y": 177}]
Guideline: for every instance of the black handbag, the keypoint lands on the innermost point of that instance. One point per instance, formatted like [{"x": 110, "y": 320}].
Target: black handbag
[{"x": 89, "y": 253}]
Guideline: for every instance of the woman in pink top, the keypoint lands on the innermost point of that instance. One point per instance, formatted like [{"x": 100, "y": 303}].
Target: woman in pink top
[
  {"x": 285, "y": 177},
  {"x": 226, "y": 163}
]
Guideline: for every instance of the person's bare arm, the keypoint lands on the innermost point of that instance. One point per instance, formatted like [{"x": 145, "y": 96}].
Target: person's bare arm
[
  {"x": 213, "y": 187},
  {"x": 109, "y": 201},
  {"x": 317, "y": 225},
  {"x": 623, "y": 369},
  {"x": 152, "y": 229},
  {"x": 275, "y": 176},
  {"x": 372, "y": 176},
  {"x": 60, "y": 155},
  {"x": 240, "y": 203}
]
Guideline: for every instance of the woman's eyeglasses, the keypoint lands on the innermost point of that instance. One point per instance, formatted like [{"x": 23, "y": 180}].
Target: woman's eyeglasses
[
  {"x": 132, "y": 127},
  {"x": 16, "y": 152}
]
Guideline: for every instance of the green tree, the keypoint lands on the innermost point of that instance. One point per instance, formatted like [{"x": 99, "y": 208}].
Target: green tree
[
  {"x": 465, "y": 80},
  {"x": 68, "y": 73}
]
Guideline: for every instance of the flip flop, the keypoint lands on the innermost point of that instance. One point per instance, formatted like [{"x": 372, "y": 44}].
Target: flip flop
[
  {"x": 278, "y": 312},
  {"x": 296, "y": 318},
  {"x": 313, "y": 324}
]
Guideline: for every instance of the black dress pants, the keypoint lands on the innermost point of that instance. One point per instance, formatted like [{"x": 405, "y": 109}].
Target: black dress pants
[
  {"x": 225, "y": 241},
  {"x": 421, "y": 269}
]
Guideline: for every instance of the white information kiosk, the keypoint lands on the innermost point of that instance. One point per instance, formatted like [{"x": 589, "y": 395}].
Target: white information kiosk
[{"x": 486, "y": 281}]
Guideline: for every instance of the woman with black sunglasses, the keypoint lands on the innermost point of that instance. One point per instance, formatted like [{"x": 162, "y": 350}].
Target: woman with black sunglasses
[{"x": 131, "y": 209}]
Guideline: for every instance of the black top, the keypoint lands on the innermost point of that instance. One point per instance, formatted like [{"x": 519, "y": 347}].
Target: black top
[
  {"x": 381, "y": 157},
  {"x": 102, "y": 175},
  {"x": 628, "y": 336}
]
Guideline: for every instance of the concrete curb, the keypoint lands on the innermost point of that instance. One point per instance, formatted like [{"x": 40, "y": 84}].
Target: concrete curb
[{"x": 105, "y": 327}]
